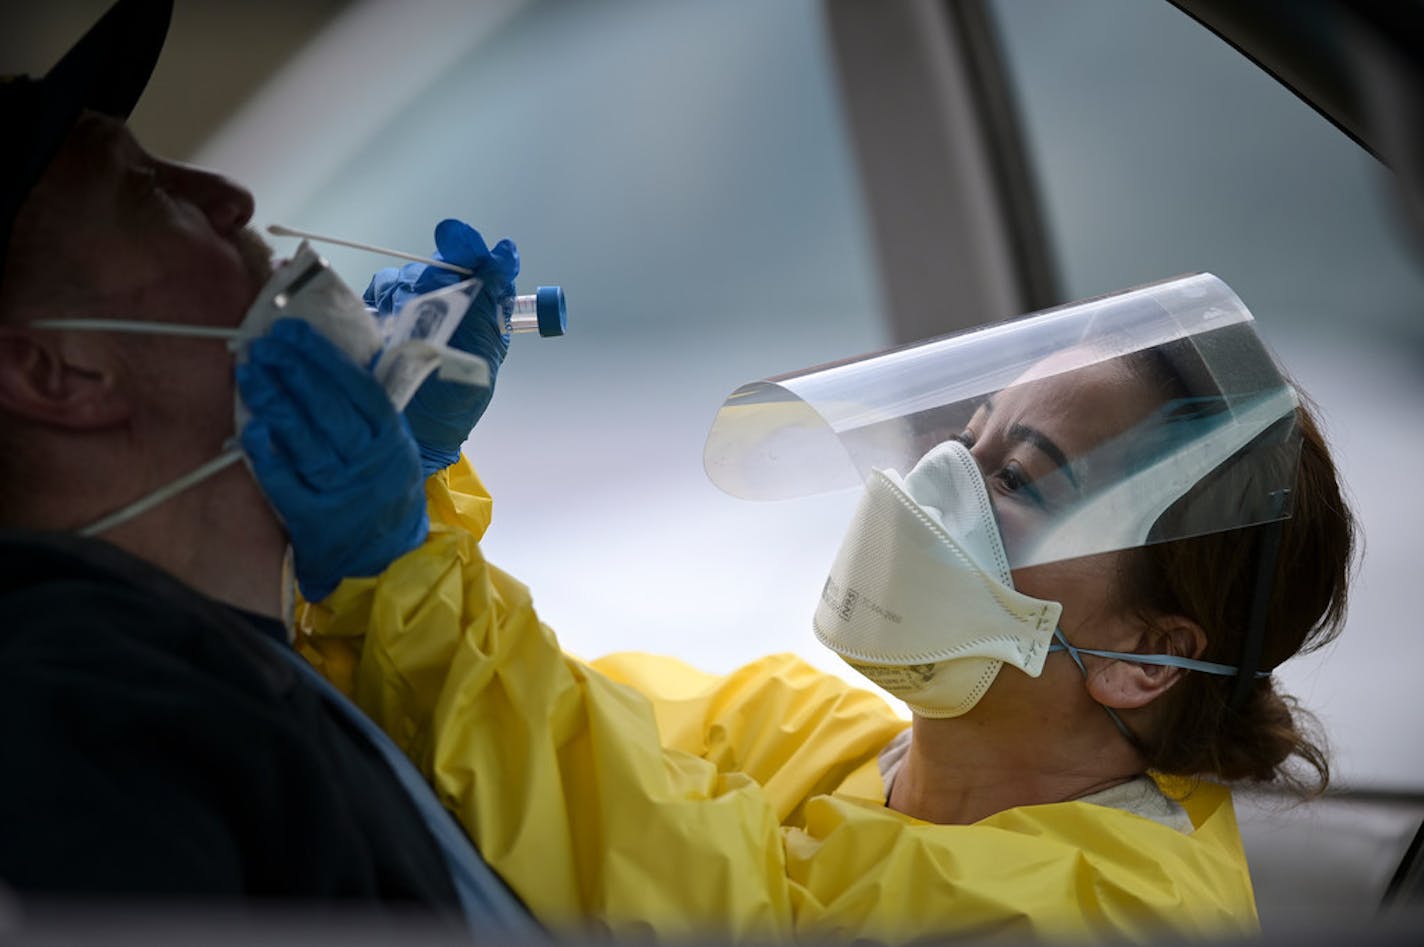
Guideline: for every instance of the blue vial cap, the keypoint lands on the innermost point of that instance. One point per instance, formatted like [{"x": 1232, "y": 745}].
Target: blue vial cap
[{"x": 550, "y": 309}]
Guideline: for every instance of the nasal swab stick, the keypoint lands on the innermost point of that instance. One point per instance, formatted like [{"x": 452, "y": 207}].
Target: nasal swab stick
[
  {"x": 277, "y": 230},
  {"x": 543, "y": 312}
]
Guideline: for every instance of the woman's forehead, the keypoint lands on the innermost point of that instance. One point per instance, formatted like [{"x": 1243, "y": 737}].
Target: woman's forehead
[{"x": 1082, "y": 404}]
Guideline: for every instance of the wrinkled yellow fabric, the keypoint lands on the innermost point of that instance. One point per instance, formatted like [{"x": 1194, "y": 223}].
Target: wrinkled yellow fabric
[
  {"x": 329, "y": 634},
  {"x": 639, "y": 795}
]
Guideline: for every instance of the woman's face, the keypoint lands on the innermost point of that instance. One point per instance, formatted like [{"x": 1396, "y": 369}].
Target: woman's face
[{"x": 1029, "y": 440}]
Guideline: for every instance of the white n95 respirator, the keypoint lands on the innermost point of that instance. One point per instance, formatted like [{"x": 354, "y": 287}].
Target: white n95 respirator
[
  {"x": 401, "y": 351},
  {"x": 920, "y": 599}
]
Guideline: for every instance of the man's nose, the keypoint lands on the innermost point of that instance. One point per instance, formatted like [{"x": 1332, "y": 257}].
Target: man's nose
[{"x": 227, "y": 204}]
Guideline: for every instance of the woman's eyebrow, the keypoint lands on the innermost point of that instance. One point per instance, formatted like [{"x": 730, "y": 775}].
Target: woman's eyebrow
[{"x": 1022, "y": 433}]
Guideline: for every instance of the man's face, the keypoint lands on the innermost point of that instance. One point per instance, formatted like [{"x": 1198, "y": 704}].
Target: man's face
[
  {"x": 142, "y": 232},
  {"x": 122, "y": 234}
]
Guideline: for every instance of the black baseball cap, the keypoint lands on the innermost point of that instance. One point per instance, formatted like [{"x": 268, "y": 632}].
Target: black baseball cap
[{"x": 106, "y": 72}]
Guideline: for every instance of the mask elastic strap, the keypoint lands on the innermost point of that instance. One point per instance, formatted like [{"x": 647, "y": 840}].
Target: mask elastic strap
[
  {"x": 145, "y": 503},
  {"x": 230, "y": 336},
  {"x": 1061, "y": 644},
  {"x": 1164, "y": 660}
]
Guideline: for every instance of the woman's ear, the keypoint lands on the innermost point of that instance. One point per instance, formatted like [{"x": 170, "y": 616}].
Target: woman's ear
[
  {"x": 47, "y": 380},
  {"x": 1124, "y": 685}
]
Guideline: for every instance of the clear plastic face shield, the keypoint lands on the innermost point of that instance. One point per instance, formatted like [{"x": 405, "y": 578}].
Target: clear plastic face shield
[{"x": 1143, "y": 416}]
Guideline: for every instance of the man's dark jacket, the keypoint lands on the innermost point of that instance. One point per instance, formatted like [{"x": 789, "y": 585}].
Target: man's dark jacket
[{"x": 154, "y": 745}]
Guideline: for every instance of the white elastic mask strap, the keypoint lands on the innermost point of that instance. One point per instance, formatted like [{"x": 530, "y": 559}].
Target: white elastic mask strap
[
  {"x": 143, "y": 504},
  {"x": 1062, "y": 645},
  {"x": 134, "y": 326},
  {"x": 230, "y": 455},
  {"x": 1162, "y": 660}
]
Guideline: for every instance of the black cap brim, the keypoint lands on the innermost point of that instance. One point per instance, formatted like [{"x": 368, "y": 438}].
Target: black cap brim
[{"x": 106, "y": 72}]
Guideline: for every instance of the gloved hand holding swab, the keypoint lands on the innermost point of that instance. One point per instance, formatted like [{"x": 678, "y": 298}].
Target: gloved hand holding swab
[{"x": 544, "y": 311}]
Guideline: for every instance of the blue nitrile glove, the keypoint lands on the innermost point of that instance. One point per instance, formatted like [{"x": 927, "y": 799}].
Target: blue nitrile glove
[
  {"x": 443, "y": 413},
  {"x": 333, "y": 456}
]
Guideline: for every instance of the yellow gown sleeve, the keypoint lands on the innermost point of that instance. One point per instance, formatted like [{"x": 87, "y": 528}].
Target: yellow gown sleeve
[
  {"x": 556, "y": 771},
  {"x": 797, "y": 731},
  {"x": 330, "y": 633}
]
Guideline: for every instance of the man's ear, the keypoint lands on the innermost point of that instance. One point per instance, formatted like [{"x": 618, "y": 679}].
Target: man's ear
[
  {"x": 1124, "y": 685},
  {"x": 41, "y": 379}
]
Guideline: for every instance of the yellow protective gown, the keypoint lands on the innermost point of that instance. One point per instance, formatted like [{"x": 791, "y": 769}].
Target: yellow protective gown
[{"x": 637, "y": 795}]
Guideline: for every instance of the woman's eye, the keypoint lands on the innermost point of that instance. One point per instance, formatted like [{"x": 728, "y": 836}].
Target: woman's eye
[
  {"x": 966, "y": 438},
  {"x": 1013, "y": 479}
]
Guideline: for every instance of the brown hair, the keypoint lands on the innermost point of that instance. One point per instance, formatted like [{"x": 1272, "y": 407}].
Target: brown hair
[{"x": 1211, "y": 580}]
